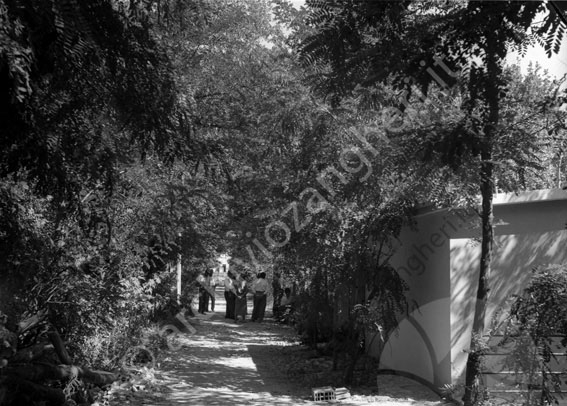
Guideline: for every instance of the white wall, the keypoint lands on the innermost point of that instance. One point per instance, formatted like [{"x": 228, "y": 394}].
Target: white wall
[
  {"x": 421, "y": 346},
  {"x": 439, "y": 258},
  {"x": 531, "y": 234}
]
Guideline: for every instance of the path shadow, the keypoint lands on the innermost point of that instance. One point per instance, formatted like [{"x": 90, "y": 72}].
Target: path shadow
[{"x": 227, "y": 363}]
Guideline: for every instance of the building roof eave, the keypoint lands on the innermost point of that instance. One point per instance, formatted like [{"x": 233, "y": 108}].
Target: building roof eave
[
  {"x": 531, "y": 196},
  {"x": 502, "y": 199}
]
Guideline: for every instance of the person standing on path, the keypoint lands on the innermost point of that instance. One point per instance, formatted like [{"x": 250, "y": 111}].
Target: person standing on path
[
  {"x": 240, "y": 290},
  {"x": 277, "y": 291},
  {"x": 203, "y": 294},
  {"x": 260, "y": 289},
  {"x": 211, "y": 290},
  {"x": 229, "y": 295}
]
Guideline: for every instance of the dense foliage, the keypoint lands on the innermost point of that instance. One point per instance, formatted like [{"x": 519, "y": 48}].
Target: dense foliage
[
  {"x": 539, "y": 327},
  {"x": 136, "y": 134},
  {"x": 102, "y": 182}
]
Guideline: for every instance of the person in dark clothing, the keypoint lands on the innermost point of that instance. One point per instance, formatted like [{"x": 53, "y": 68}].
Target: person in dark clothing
[
  {"x": 203, "y": 295},
  {"x": 277, "y": 292},
  {"x": 240, "y": 305}
]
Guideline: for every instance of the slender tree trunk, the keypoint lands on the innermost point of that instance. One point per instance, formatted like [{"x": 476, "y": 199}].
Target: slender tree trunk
[
  {"x": 353, "y": 353},
  {"x": 159, "y": 12},
  {"x": 59, "y": 347},
  {"x": 473, "y": 367},
  {"x": 42, "y": 372},
  {"x": 559, "y": 180}
]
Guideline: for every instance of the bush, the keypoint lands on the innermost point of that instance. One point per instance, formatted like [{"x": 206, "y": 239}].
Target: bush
[{"x": 538, "y": 318}]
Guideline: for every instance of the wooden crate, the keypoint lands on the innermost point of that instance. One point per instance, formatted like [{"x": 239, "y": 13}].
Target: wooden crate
[{"x": 323, "y": 394}]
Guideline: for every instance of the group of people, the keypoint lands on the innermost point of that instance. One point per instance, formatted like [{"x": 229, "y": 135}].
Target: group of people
[
  {"x": 236, "y": 289},
  {"x": 206, "y": 285}
]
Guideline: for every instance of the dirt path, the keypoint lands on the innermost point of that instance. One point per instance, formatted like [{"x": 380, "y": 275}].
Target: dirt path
[
  {"x": 251, "y": 364},
  {"x": 232, "y": 364}
]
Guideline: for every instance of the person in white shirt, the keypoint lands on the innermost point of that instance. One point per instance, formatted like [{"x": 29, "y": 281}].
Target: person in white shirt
[
  {"x": 260, "y": 289},
  {"x": 286, "y": 307},
  {"x": 229, "y": 295},
  {"x": 211, "y": 285}
]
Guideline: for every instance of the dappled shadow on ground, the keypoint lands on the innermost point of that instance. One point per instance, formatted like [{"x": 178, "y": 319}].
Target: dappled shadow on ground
[
  {"x": 215, "y": 367},
  {"x": 249, "y": 364},
  {"x": 226, "y": 363}
]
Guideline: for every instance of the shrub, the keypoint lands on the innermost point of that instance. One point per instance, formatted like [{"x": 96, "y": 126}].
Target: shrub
[{"x": 538, "y": 317}]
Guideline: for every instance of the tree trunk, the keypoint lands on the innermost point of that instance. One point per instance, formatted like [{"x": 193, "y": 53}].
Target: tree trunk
[
  {"x": 354, "y": 354},
  {"x": 559, "y": 180},
  {"x": 43, "y": 372},
  {"x": 59, "y": 347},
  {"x": 473, "y": 368},
  {"x": 30, "y": 392},
  {"x": 32, "y": 322},
  {"x": 30, "y": 354},
  {"x": 492, "y": 97}
]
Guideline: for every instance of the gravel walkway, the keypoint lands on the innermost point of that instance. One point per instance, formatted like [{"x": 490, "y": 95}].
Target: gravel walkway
[{"x": 252, "y": 364}]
